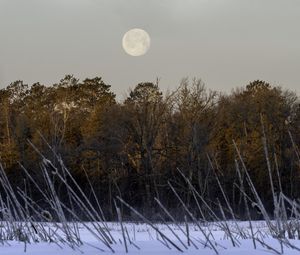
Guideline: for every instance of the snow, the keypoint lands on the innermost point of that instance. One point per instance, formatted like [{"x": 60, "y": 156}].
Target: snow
[{"x": 146, "y": 238}]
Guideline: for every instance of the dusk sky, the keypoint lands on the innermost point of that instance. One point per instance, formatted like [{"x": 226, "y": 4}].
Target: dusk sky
[{"x": 226, "y": 43}]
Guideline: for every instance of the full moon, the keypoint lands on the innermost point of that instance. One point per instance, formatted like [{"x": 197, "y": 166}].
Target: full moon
[{"x": 136, "y": 42}]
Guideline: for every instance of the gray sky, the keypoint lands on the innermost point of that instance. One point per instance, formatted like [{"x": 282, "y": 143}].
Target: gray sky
[{"x": 227, "y": 43}]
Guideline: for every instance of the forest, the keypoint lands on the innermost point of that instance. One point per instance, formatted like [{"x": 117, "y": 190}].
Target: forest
[{"x": 134, "y": 148}]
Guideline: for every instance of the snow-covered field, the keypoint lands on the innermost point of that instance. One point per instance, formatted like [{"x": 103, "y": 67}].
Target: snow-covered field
[
  {"x": 28, "y": 227},
  {"x": 143, "y": 239}
]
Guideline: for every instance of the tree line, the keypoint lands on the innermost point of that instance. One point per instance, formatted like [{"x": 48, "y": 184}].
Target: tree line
[{"x": 133, "y": 148}]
